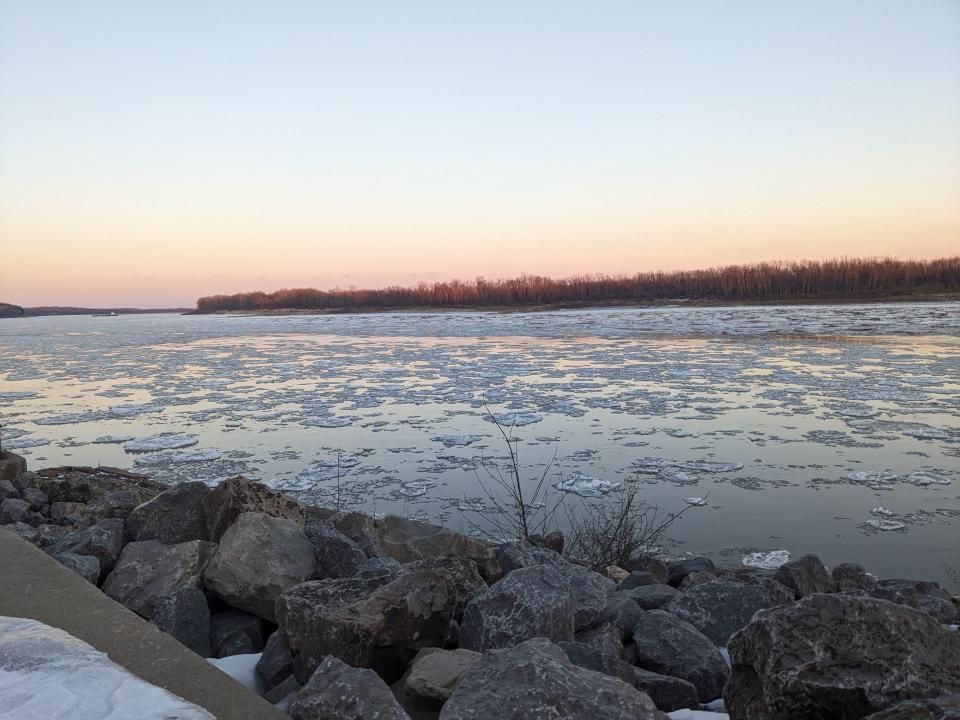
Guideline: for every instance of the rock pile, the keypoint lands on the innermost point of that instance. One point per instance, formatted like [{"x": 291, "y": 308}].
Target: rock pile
[{"x": 342, "y": 606}]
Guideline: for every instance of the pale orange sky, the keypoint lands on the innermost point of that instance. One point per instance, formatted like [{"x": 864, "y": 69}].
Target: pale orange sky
[{"x": 151, "y": 156}]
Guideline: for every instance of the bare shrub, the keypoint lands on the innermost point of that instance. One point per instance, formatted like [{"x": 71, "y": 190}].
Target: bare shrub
[{"x": 615, "y": 531}]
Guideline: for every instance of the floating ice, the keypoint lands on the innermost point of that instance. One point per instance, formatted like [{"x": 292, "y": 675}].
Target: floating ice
[
  {"x": 872, "y": 477},
  {"x": 132, "y": 410},
  {"x": 111, "y": 439},
  {"x": 696, "y": 501},
  {"x": 17, "y": 394},
  {"x": 709, "y": 467},
  {"x": 327, "y": 422},
  {"x": 885, "y": 525},
  {"x": 882, "y": 512},
  {"x": 24, "y": 442},
  {"x": 178, "y": 458},
  {"x": 72, "y": 418},
  {"x": 585, "y": 486},
  {"x": 163, "y": 441},
  {"x": 413, "y": 489},
  {"x": 927, "y": 433},
  {"x": 927, "y": 478},
  {"x": 858, "y": 411},
  {"x": 514, "y": 419},
  {"x": 767, "y": 560},
  {"x": 456, "y": 440}
]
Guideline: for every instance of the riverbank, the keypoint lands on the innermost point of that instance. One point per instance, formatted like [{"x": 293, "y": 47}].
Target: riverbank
[
  {"x": 353, "y": 616},
  {"x": 621, "y": 304}
]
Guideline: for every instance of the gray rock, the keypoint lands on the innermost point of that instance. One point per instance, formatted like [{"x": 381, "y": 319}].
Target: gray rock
[
  {"x": 850, "y": 576},
  {"x": 408, "y": 541},
  {"x": 552, "y": 541},
  {"x": 527, "y": 603},
  {"x": 670, "y": 646},
  {"x": 696, "y": 578},
  {"x": 946, "y": 707},
  {"x": 679, "y": 569},
  {"x": 8, "y": 490},
  {"x": 259, "y": 557},
  {"x": 838, "y": 656},
  {"x": 654, "y": 565},
  {"x": 536, "y": 681},
  {"x": 185, "y": 615},
  {"x": 719, "y": 608},
  {"x": 148, "y": 571},
  {"x": 48, "y": 535},
  {"x": 116, "y": 504},
  {"x": 638, "y": 578},
  {"x": 649, "y": 597},
  {"x": 435, "y": 673},
  {"x": 36, "y": 497},
  {"x": 339, "y": 691},
  {"x": 11, "y": 465},
  {"x": 104, "y": 541},
  {"x": 376, "y": 622},
  {"x": 226, "y": 625},
  {"x": 622, "y": 612},
  {"x": 14, "y": 510},
  {"x": 27, "y": 532},
  {"x": 514, "y": 555},
  {"x": 926, "y": 596},
  {"x": 172, "y": 517},
  {"x": 337, "y": 555},
  {"x": 597, "y": 659},
  {"x": 362, "y": 529},
  {"x": 590, "y": 591},
  {"x": 464, "y": 573},
  {"x": 276, "y": 663},
  {"x": 236, "y": 643},
  {"x": 68, "y": 513},
  {"x": 605, "y": 637},
  {"x": 236, "y": 496},
  {"x": 379, "y": 566},
  {"x": 86, "y": 566},
  {"x": 805, "y": 576},
  {"x": 285, "y": 691}
]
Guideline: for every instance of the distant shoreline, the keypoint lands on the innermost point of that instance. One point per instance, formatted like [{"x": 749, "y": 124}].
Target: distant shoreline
[{"x": 702, "y": 302}]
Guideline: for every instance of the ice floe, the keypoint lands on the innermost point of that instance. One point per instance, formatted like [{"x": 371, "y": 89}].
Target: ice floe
[
  {"x": 163, "y": 441},
  {"x": 112, "y": 439},
  {"x": 770, "y": 560},
  {"x": 456, "y": 440},
  {"x": 178, "y": 458},
  {"x": 695, "y": 501},
  {"x": 514, "y": 419},
  {"x": 885, "y": 525},
  {"x": 585, "y": 486}
]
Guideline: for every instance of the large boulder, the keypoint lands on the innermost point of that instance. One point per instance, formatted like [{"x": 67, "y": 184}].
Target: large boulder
[
  {"x": 648, "y": 563},
  {"x": 378, "y": 622},
  {"x": 11, "y": 465},
  {"x": 104, "y": 541},
  {"x": 172, "y": 517},
  {"x": 838, "y": 656},
  {"x": 677, "y": 570},
  {"x": 259, "y": 557},
  {"x": 339, "y": 691},
  {"x": 236, "y": 496},
  {"x": 649, "y": 597},
  {"x": 86, "y": 566},
  {"x": 670, "y": 646},
  {"x": 919, "y": 594},
  {"x": 435, "y": 673},
  {"x": 18, "y": 510},
  {"x": 408, "y": 540},
  {"x": 850, "y": 576},
  {"x": 521, "y": 554},
  {"x": 117, "y": 503},
  {"x": 148, "y": 571},
  {"x": 719, "y": 608},
  {"x": 185, "y": 615},
  {"x": 465, "y": 575},
  {"x": 234, "y": 632},
  {"x": 605, "y": 637},
  {"x": 276, "y": 662},
  {"x": 622, "y": 612},
  {"x": 362, "y": 529},
  {"x": 805, "y": 576},
  {"x": 337, "y": 555},
  {"x": 527, "y": 603},
  {"x": 8, "y": 490},
  {"x": 590, "y": 591},
  {"x": 535, "y": 681},
  {"x": 941, "y": 708}
]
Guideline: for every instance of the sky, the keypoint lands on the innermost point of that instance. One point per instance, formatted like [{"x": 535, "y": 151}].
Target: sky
[{"x": 155, "y": 152}]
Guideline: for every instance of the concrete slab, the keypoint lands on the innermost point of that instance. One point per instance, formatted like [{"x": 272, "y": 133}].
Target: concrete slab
[{"x": 34, "y": 585}]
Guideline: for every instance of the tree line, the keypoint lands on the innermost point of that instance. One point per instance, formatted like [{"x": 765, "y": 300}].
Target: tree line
[{"x": 838, "y": 278}]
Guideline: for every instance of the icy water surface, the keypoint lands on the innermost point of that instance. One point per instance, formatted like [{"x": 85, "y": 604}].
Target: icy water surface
[{"x": 825, "y": 429}]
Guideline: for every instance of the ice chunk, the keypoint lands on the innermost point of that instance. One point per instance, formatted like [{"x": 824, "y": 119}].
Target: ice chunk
[
  {"x": 882, "y": 512},
  {"x": 585, "y": 486},
  {"x": 514, "y": 419},
  {"x": 455, "y": 440},
  {"x": 696, "y": 501},
  {"x": 708, "y": 466},
  {"x": 327, "y": 422},
  {"x": 767, "y": 560},
  {"x": 47, "y": 673},
  {"x": 163, "y": 441},
  {"x": 72, "y": 418},
  {"x": 24, "y": 442},
  {"x": 413, "y": 489},
  {"x": 177, "y": 458},
  {"x": 927, "y": 478},
  {"x": 110, "y": 439},
  {"x": 872, "y": 477},
  {"x": 885, "y": 525},
  {"x": 131, "y": 410},
  {"x": 17, "y": 394}
]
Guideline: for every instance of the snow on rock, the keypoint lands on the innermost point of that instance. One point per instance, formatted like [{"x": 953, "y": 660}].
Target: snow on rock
[
  {"x": 585, "y": 486},
  {"x": 47, "y": 673},
  {"x": 767, "y": 560},
  {"x": 243, "y": 669},
  {"x": 163, "y": 441}
]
